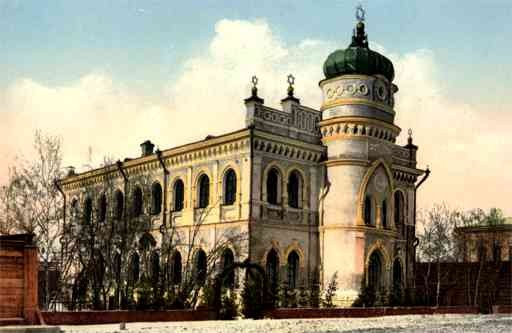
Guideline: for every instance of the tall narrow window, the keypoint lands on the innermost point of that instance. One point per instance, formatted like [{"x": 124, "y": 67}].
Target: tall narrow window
[
  {"x": 200, "y": 267},
  {"x": 204, "y": 191},
  {"x": 119, "y": 205},
  {"x": 229, "y": 187},
  {"x": 117, "y": 266},
  {"x": 294, "y": 190},
  {"x": 102, "y": 208},
  {"x": 228, "y": 260},
  {"x": 155, "y": 266},
  {"x": 399, "y": 211},
  {"x": 368, "y": 210},
  {"x": 137, "y": 202},
  {"x": 176, "y": 268},
  {"x": 179, "y": 195},
  {"x": 156, "y": 198},
  {"x": 375, "y": 271},
  {"x": 273, "y": 186},
  {"x": 134, "y": 268},
  {"x": 496, "y": 251},
  {"x": 397, "y": 278},
  {"x": 74, "y": 209},
  {"x": 293, "y": 269},
  {"x": 88, "y": 211},
  {"x": 384, "y": 213},
  {"x": 272, "y": 268}
]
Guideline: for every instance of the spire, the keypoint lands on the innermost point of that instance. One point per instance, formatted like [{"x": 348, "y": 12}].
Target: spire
[
  {"x": 254, "y": 91},
  {"x": 360, "y": 38}
]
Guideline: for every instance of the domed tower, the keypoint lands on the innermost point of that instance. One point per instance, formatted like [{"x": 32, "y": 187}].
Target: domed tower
[{"x": 367, "y": 224}]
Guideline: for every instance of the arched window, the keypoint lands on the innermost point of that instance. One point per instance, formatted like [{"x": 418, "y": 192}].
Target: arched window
[
  {"x": 273, "y": 180},
  {"x": 134, "y": 268},
  {"x": 88, "y": 211},
  {"x": 293, "y": 270},
  {"x": 119, "y": 205},
  {"x": 102, "y": 208},
  {"x": 155, "y": 266},
  {"x": 375, "y": 271},
  {"x": 295, "y": 190},
  {"x": 384, "y": 213},
  {"x": 229, "y": 187},
  {"x": 397, "y": 279},
  {"x": 272, "y": 268},
  {"x": 204, "y": 191},
  {"x": 137, "y": 202},
  {"x": 176, "y": 268},
  {"x": 228, "y": 259},
  {"x": 156, "y": 198},
  {"x": 179, "y": 195},
  {"x": 368, "y": 210},
  {"x": 200, "y": 267}
]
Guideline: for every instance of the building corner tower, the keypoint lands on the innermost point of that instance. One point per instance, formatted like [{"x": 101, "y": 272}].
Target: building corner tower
[{"x": 368, "y": 208}]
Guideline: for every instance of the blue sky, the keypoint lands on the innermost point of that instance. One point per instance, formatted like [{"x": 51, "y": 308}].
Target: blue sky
[
  {"x": 144, "y": 43},
  {"x": 106, "y": 75}
]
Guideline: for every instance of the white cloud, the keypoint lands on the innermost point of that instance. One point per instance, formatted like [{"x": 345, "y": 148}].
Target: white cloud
[{"x": 467, "y": 148}]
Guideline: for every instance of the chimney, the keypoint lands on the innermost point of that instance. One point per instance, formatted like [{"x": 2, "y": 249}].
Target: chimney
[
  {"x": 70, "y": 171},
  {"x": 147, "y": 148}
]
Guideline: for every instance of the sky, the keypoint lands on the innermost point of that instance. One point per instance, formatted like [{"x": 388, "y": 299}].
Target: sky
[{"x": 105, "y": 76}]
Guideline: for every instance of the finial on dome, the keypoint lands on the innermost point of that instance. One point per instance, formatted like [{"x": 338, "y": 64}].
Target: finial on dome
[
  {"x": 360, "y": 39},
  {"x": 360, "y": 13}
]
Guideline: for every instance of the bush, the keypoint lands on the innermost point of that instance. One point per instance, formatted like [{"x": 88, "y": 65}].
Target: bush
[
  {"x": 143, "y": 292},
  {"x": 252, "y": 298},
  {"x": 330, "y": 292},
  {"x": 366, "y": 297},
  {"x": 229, "y": 307}
]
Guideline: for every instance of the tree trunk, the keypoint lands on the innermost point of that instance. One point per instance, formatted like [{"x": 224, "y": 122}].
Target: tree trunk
[
  {"x": 477, "y": 283},
  {"x": 438, "y": 287}
]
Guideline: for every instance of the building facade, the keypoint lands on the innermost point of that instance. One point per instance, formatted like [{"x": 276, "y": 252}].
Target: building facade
[{"x": 319, "y": 193}]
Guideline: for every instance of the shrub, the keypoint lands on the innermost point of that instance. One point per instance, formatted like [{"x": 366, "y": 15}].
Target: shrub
[
  {"x": 229, "y": 307},
  {"x": 252, "y": 298},
  {"x": 330, "y": 292}
]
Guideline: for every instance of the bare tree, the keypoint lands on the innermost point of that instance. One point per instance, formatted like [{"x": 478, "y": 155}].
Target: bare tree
[
  {"x": 437, "y": 241},
  {"x": 31, "y": 203}
]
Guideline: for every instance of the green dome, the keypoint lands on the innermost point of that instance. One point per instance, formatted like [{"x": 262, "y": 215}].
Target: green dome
[{"x": 358, "y": 59}]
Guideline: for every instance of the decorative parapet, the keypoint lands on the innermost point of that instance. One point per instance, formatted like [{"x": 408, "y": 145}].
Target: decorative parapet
[
  {"x": 354, "y": 126},
  {"x": 300, "y": 123}
]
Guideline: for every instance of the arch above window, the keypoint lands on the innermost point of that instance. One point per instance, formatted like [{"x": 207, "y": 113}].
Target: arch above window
[
  {"x": 295, "y": 188},
  {"x": 229, "y": 187},
  {"x": 179, "y": 195},
  {"x": 156, "y": 198},
  {"x": 273, "y": 186},
  {"x": 203, "y": 191}
]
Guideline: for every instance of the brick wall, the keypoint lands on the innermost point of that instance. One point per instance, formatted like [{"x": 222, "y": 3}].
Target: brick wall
[
  {"x": 108, "y": 317},
  {"x": 366, "y": 312}
]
